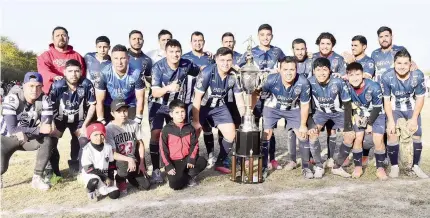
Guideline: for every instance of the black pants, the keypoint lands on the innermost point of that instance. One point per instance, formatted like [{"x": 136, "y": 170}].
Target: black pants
[
  {"x": 11, "y": 144},
  {"x": 183, "y": 174},
  {"x": 136, "y": 178}
]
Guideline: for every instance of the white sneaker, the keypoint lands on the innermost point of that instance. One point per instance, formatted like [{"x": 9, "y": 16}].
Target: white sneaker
[
  {"x": 319, "y": 172},
  {"x": 340, "y": 172},
  {"x": 192, "y": 182},
  {"x": 211, "y": 161},
  {"x": 307, "y": 173},
  {"x": 38, "y": 183},
  {"x": 394, "y": 172},
  {"x": 417, "y": 170},
  {"x": 291, "y": 166},
  {"x": 105, "y": 190},
  {"x": 329, "y": 163}
]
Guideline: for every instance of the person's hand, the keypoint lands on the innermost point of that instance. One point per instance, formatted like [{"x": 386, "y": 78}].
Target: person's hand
[
  {"x": 172, "y": 172},
  {"x": 142, "y": 168},
  {"x": 391, "y": 127},
  {"x": 108, "y": 182},
  {"x": 413, "y": 125},
  {"x": 196, "y": 125},
  {"x": 314, "y": 132},
  {"x": 202, "y": 67},
  {"x": 369, "y": 129},
  {"x": 45, "y": 128},
  {"x": 208, "y": 53},
  {"x": 83, "y": 131},
  {"x": 174, "y": 86},
  {"x": 303, "y": 131},
  {"x": 190, "y": 166},
  {"x": 56, "y": 133},
  {"x": 131, "y": 165},
  {"x": 348, "y": 57},
  {"x": 138, "y": 119},
  {"x": 57, "y": 78},
  {"x": 21, "y": 136},
  {"x": 414, "y": 66},
  {"x": 310, "y": 54}
]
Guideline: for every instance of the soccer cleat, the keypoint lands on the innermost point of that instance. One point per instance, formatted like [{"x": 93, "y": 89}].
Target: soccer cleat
[
  {"x": 330, "y": 163},
  {"x": 227, "y": 162},
  {"x": 347, "y": 162},
  {"x": 394, "y": 172},
  {"x": 274, "y": 165},
  {"x": 319, "y": 172},
  {"x": 307, "y": 173},
  {"x": 156, "y": 177},
  {"x": 38, "y": 183},
  {"x": 417, "y": 170},
  {"x": 290, "y": 166},
  {"x": 122, "y": 187},
  {"x": 211, "y": 160},
  {"x": 380, "y": 173},
  {"x": 92, "y": 196},
  {"x": 340, "y": 172},
  {"x": 358, "y": 171},
  {"x": 365, "y": 161},
  {"x": 192, "y": 182},
  {"x": 105, "y": 190},
  {"x": 223, "y": 169},
  {"x": 55, "y": 179}
]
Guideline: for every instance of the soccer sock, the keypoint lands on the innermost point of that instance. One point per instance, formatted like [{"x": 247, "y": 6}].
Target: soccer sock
[
  {"x": 380, "y": 158},
  {"x": 331, "y": 146},
  {"x": 418, "y": 147},
  {"x": 315, "y": 151},
  {"x": 343, "y": 154},
  {"x": 265, "y": 152},
  {"x": 208, "y": 138},
  {"x": 393, "y": 154},
  {"x": 305, "y": 151},
  {"x": 154, "y": 150},
  {"x": 357, "y": 154},
  {"x": 272, "y": 147},
  {"x": 292, "y": 144},
  {"x": 222, "y": 152},
  {"x": 227, "y": 147}
]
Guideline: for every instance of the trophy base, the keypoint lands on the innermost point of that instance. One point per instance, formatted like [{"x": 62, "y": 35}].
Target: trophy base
[
  {"x": 247, "y": 143},
  {"x": 247, "y": 174}
]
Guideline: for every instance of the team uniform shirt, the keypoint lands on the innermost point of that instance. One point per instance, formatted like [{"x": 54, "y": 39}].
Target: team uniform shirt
[
  {"x": 236, "y": 58},
  {"x": 72, "y": 106},
  {"x": 124, "y": 138},
  {"x": 20, "y": 116},
  {"x": 367, "y": 98},
  {"x": 214, "y": 88},
  {"x": 305, "y": 67},
  {"x": 384, "y": 60},
  {"x": 156, "y": 55},
  {"x": 99, "y": 159},
  {"x": 204, "y": 60},
  {"x": 368, "y": 65},
  {"x": 337, "y": 63},
  {"x": 94, "y": 66},
  {"x": 121, "y": 87},
  {"x": 140, "y": 61},
  {"x": 328, "y": 97}
]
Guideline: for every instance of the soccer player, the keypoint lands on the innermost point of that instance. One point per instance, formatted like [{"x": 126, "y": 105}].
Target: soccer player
[
  {"x": 120, "y": 81},
  {"x": 326, "y": 41},
  {"x": 126, "y": 136},
  {"x": 26, "y": 125},
  {"x": 404, "y": 92},
  {"x": 289, "y": 99},
  {"x": 369, "y": 118},
  {"x": 333, "y": 103},
  {"x": 212, "y": 85},
  {"x": 96, "y": 61},
  {"x": 163, "y": 37},
  {"x": 73, "y": 100},
  {"x": 180, "y": 149},
  {"x": 227, "y": 40},
  {"x": 171, "y": 78},
  {"x": 137, "y": 59},
  {"x": 358, "y": 48}
]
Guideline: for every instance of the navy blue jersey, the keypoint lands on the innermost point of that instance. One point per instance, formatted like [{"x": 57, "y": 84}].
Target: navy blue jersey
[
  {"x": 367, "y": 98},
  {"x": 214, "y": 88},
  {"x": 140, "y": 62},
  {"x": 337, "y": 63},
  {"x": 328, "y": 97},
  {"x": 121, "y": 87},
  {"x": 204, "y": 60},
  {"x": 163, "y": 75},
  {"x": 305, "y": 67},
  {"x": 236, "y": 57},
  {"x": 72, "y": 106},
  {"x": 283, "y": 98},
  {"x": 94, "y": 66},
  {"x": 368, "y": 65},
  {"x": 265, "y": 59},
  {"x": 403, "y": 93},
  {"x": 384, "y": 60}
]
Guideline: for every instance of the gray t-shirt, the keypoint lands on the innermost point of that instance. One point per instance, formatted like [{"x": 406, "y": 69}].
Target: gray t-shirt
[{"x": 124, "y": 138}]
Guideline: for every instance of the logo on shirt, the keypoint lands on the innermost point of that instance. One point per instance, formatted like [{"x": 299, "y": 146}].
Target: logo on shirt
[
  {"x": 368, "y": 96},
  {"x": 334, "y": 89},
  {"x": 230, "y": 81},
  {"x": 335, "y": 63},
  {"x": 414, "y": 81},
  {"x": 297, "y": 90},
  {"x": 81, "y": 92}
]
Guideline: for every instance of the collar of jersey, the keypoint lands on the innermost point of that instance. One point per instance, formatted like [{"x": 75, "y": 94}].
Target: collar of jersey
[
  {"x": 116, "y": 74},
  {"x": 79, "y": 83},
  {"x": 135, "y": 55}
]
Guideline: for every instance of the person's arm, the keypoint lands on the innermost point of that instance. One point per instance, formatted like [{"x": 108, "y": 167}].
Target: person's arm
[
  {"x": 196, "y": 106},
  {"x": 140, "y": 98},
  {"x": 83, "y": 65},
  {"x": 377, "y": 104},
  {"x": 348, "y": 116},
  {"x": 91, "y": 100},
  {"x": 305, "y": 100},
  {"x": 9, "y": 107},
  {"x": 45, "y": 68},
  {"x": 202, "y": 84},
  {"x": 164, "y": 149},
  {"x": 194, "y": 147},
  {"x": 240, "y": 103},
  {"x": 100, "y": 98}
]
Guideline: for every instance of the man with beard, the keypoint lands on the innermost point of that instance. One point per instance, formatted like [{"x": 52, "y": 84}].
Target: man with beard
[
  {"x": 163, "y": 37},
  {"x": 228, "y": 41},
  {"x": 326, "y": 41},
  {"x": 74, "y": 102},
  {"x": 358, "y": 48},
  {"x": 138, "y": 60},
  {"x": 96, "y": 61}
]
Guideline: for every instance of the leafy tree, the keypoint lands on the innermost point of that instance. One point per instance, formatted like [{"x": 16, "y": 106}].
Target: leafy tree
[{"x": 15, "y": 62}]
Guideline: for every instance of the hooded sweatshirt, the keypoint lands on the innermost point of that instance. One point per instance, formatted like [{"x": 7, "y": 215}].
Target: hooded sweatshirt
[{"x": 51, "y": 63}]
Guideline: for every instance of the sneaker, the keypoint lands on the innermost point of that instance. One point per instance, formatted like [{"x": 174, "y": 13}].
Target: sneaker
[
  {"x": 38, "y": 183},
  {"x": 340, "y": 172},
  {"x": 307, "y": 173},
  {"x": 55, "y": 179},
  {"x": 319, "y": 172},
  {"x": 417, "y": 170},
  {"x": 291, "y": 166},
  {"x": 274, "y": 165},
  {"x": 122, "y": 187},
  {"x": 227, "y": 162},
  {"x": 386, "y": 161},
  {"x": 364, "y": 161},
  {"x": 329, "y": 163},
  {"x": 156, "y": 177},
  {"x": 265, "y": 172},
  {"x": 394, "y": 172},
  {"x": 380, "y": 173},
  {"x": 105, "y": 190},
  {"x": 92, "y": 196},
  {"x": 192, "y": 182},
  {"x": 347, "y": 162},
  {"x": 48, "y": 174},
  {"x": 223, "y": 169},
  {"x": 211, "y": 161},
  {"x": 358, "y": 171}
]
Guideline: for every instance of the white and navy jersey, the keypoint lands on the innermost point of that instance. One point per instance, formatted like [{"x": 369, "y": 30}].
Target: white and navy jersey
[
  {"x": 163, "y": 75},
  {"x": 368, "y": 65},
  {"x": 367, "y": 98},
  {"x": 337, "y": 63},
  {"x": 283, "y": 98},
  {"x": 204, "y": 60},
  {"x": 156, "y": 55},
  {"x": 99, "y": 159},
  {"x": 140, "y": 62},
  {"x": 403, "y": 93},
  {"x": 305, "y": 67},
  {"x": 71, "y": 106},
  {"x": 20, "y": 116},
  {"x": 94, "y": 66},
  {"x": 384, "y": 60},
  {"x": 121, "y": 87},
  {"x": 236, "y": 58},
  {"x": 214, "y": 88},
  {"x": 124, "y": 138},
  {"x": 328, "y": 97}
]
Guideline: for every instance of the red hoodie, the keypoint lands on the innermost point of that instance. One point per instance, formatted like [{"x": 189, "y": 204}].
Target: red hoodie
[{"x": 51, "y": 63}]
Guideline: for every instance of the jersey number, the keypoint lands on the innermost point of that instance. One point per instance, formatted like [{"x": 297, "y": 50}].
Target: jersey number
[{"x": 126, "y": 148}]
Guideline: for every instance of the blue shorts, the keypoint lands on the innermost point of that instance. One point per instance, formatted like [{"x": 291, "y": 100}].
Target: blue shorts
[
  {"x": 63, "y": 125},
  {"x": 408, "y": 115},
  {"x": 378, "y": 126},
  {"x": 235, "y": 115},
  {"x": 271, "y": 116},
  {"x": 258, "y": 109},
  {"x": 215, "y": 116},
  {"x": 321, "y": 118}
]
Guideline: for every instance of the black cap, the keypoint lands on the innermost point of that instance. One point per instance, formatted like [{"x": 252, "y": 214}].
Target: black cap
[{"x": 117, "y": 104}]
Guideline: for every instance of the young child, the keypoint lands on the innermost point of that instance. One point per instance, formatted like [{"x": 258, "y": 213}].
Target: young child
[
  {"x": 179, "y": 148},
  {"x": 98, "y": 164}
]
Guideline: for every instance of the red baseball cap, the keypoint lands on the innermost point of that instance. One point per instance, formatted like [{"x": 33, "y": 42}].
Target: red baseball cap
[{"x": 94, "y": 128}]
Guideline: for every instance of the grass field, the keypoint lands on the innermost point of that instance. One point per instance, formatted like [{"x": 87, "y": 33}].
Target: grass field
[{"x": 283, "y": 194}]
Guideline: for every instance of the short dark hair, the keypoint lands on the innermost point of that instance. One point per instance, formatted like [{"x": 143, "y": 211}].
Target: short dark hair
[
  {"x": 74, "y": 63},
  {"x": 354, "y": 66},
  {"x": 402, "y": 54},
  {"x": 265, "y": 27},
  {"x": 326, "y": 35},
  {"x": 321, "y": 62},
  {"x": 119, "y": 48},
  {"x": 176, "y": 103},
  {"x": 383, "y": 29},
  {"x": 60, "y": 28},
  {"x": 164, "y": 32},
  {"x": 361, "y": 39},
  {"x": 134, "y": 32},
  {"x": 226, "y": 35},
  {"x": 298, "y": 41},
  {"x": 224, "y": 51},
  {"x": 197, "y": 33},
  {"x": 103, "y": 39},
  {"x": 173, "y": 43},
  {"x": 288, "y": 59}
]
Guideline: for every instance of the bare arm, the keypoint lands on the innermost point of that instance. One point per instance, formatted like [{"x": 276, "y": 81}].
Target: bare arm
[
  {"x": 100, "y": 98},
  {"x": 90, "y": 114},
  {"x": 388, "y": 109},
  {"x": 240, "y": 103},
  {"x": 304, "y": 113},
  {"x": 196, "y": 106},
  {"x": 140, "y": 102},
  {"x": 419, "y": 103}
]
